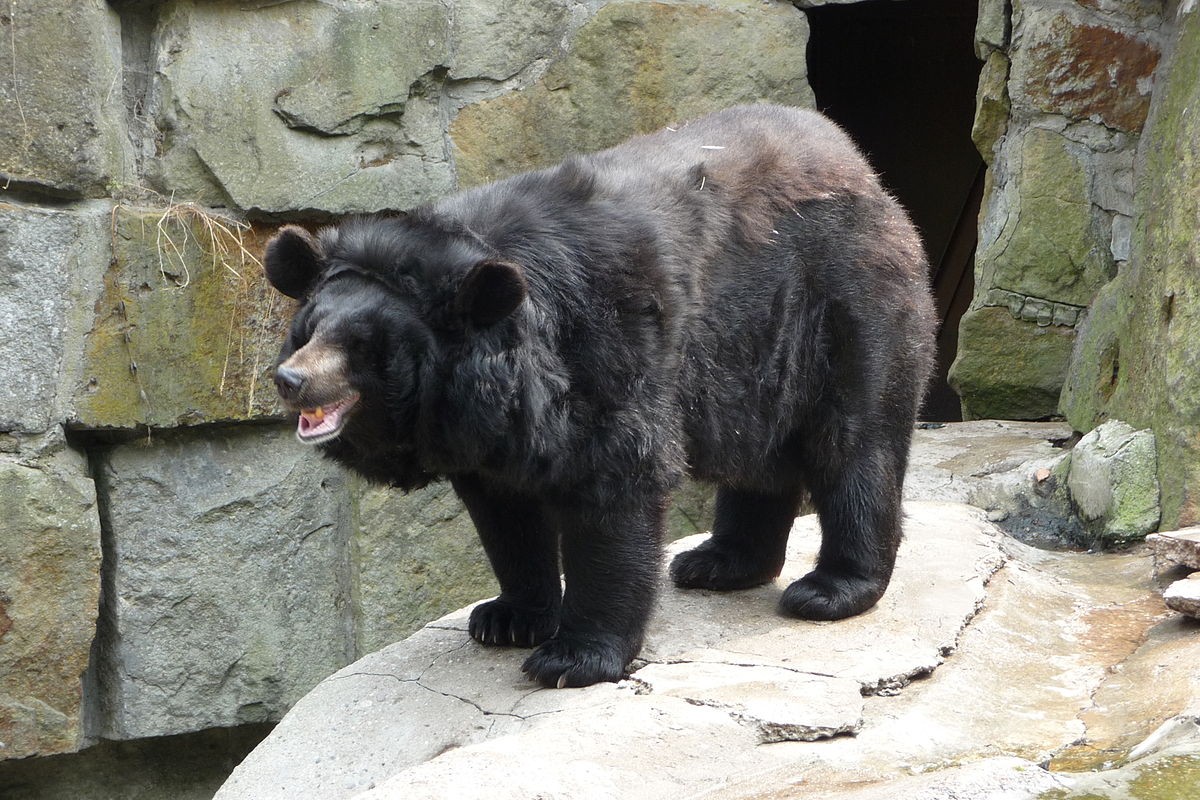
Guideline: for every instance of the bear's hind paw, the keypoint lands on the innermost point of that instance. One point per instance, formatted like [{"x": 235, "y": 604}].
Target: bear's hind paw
[
  {"x": 823, "y": 595},
  {"x": 710, "y": 567}
]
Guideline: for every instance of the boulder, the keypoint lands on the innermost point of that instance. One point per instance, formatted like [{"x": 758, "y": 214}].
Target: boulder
[
  {"x": 1114, "y": 482},
  {"x": 1175, "y": 548},
  {"x": 1008, "y": 368},
  {"x": 1184, "y": 596},
  {"x": 720, "y": 674},
  {"x": 49, "y": 594}
]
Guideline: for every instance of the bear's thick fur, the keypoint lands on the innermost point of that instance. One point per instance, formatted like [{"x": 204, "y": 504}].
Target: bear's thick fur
[{"x": 736, "y": 297}]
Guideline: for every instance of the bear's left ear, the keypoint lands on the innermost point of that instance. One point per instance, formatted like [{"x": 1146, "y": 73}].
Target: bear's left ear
[
  {"x": 490, "y": 292},
  {"x": 293, "y": 261}
]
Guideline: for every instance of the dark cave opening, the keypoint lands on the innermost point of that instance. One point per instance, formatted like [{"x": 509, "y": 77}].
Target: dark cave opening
[{"x": 900, "y": 76}]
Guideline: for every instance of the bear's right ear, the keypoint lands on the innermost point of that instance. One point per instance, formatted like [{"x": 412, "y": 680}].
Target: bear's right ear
[{"x": 293, "y": 261}]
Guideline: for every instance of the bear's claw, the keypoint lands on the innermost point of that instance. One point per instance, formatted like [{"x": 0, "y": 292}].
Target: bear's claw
[{"x": 503, "y": 623}]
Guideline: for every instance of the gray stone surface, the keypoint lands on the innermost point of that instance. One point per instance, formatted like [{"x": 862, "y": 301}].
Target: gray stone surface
[
  {"x": 326, "y": 106},
  {"x": 416, "y": 557},
  {"x": 779, "y": 704},
  {"x": 51, "y": 263},
  {"x": 62, "y": 130},
  {"x": 1114, "y": 481},
  {"x": 426, "y": 717},
  {"x": 1175, "y": 548},
  {"x": 49, "y": 589},
  {"x": 1184, "y": 595},
  {"x": 229, "y": 592},
  {"x": 633, "y": 67}
]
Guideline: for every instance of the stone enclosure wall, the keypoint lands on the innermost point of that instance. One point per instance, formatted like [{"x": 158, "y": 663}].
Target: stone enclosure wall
[{"x": 171, "y": 560}]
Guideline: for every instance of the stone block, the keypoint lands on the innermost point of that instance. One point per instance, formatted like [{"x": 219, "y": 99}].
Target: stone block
[
  {"x": 1008, "y": 368},
  {"x": 496, "y": 39},
  {"x": 991, "y": 105},
  {"x": 992, "y": 27},
  {"x": 1081, "y": 70},
  {"x": 228, "y": 590},
  {"x": 1175, "y": 548},
  {"x": 186, "y": 329},
  {"x": 329, "y": 106},
  {"x": 51, "y": 262},
  {"x": 62, "y": 130},
  {"x": 1114, "y": 482},
  {"x": 1040, "y": 236},
  {"x": 49, "y": 595},
  {"x": 416, "y": 558},
  {"x": 634, "y": 67},
  {"x": 1184, "y": 596}
]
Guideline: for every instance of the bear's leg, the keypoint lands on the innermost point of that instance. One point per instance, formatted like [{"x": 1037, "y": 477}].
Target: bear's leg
[
  {"x": 748, "y": 543},
  {"x": 610, "y": 560},
  {"x": 858, "y": 503},
  {"x": 523, "y": 550}
]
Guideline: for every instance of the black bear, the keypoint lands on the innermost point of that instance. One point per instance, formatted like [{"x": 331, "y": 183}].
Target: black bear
[{"x": 736, "y": 297}]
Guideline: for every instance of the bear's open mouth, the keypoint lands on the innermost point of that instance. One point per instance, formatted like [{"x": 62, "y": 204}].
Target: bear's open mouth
[{"x": 325, "y": 422}]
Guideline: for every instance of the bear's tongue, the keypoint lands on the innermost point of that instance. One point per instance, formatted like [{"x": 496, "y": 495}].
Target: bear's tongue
[{"x": 322, "y": 423}]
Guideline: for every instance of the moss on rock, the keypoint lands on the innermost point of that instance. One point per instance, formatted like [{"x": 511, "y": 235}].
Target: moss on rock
[
  {"x": 633, "y": 68},
  {"x": 186, "y": 328}
]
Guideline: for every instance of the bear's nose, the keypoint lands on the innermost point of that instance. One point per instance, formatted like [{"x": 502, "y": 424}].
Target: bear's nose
[{"x": 288, "y": 381}]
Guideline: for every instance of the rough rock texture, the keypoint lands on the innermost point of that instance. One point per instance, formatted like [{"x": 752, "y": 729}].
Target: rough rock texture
[
  {"x": 634, "y": 67},
  {"x": 50, "y": 267},
  {"x": 967, "y": 615},
  {"x": 1114, "y": 482},
  {"x": 1184, "y": 596},
  {"x": 228, "y": 596},
  {"x": 185, "y": 329},
  {"x": 62, "y": 130},
  {"x": 1137, "y": 359},
  {"x": 1084, "y": 71},
  {"x": 425, "y": 717},
  {"x": 1008, "y": 368},
  {"x": 283, "y": 106},
  {"x": 49, "y": 589},
  {"x": 416, "y": 557},
  {"x": 1062, "y": 100},
  {"x": 1050, "y": 245},
  {"x": 1175, "y": 548}
]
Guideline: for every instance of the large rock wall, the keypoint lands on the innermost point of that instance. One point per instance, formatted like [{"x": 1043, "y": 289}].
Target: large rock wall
[
  {"x": 1138, "y": 357},
  {"x": 172, "y": 561},
  {"x": 1063, "y": 96}
]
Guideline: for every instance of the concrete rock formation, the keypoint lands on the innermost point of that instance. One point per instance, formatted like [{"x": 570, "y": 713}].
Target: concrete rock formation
[{"x": 1044, "y": 650}]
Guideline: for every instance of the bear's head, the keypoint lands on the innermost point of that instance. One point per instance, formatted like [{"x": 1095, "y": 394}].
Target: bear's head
[{"x": 385, "y": 303}]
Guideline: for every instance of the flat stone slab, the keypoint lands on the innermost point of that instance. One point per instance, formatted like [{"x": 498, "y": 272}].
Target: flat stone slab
[
  {"x": 1184, "y": 595},
  {"x": 1175, "y": 548},
  {"x": 781, "y": 705},
  {"x": 720, "y": 675}
]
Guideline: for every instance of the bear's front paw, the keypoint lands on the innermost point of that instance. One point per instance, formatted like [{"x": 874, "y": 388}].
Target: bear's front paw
[
  {"x": 821, "y": 595},
  {"x": 577, "y": 659},
  {"x": 502, "y": 622},
  {"x": 712, "y": 567}
]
